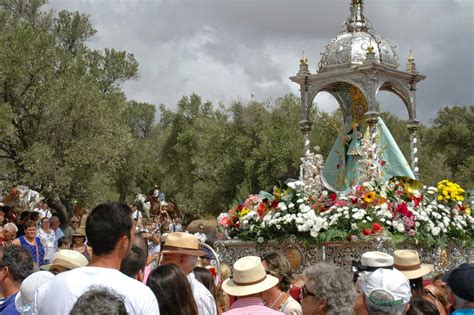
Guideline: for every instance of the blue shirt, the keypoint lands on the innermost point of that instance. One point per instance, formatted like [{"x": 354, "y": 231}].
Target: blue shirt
[
  {"x": 8, "y": 307},
  {"x": 463, "y": 311}
]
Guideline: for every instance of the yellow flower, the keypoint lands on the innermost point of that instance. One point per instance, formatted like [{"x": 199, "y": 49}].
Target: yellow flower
[
  {"x": 440, "y": 198},
  {"x": 467, "y": 211},
  {"x": 244, "y": 212},
  {"x": 369, "y": 197}
]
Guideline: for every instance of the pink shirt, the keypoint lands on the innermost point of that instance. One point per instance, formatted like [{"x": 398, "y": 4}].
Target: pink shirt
[{"x": 250, "y": 306}]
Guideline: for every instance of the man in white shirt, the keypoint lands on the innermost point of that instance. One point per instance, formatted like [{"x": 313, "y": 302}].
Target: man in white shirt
[
  {"x": 109, "y": 231},
  {"x": 182, "y": 249},
  {"x": 43, "y": 210},
  {"x": 200, "y": 234}
]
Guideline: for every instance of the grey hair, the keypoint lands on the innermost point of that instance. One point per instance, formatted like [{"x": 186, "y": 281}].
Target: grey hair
[
  {"x": 333, "y": 284},
  {"x": 99, "y": 300},
  {"x": 383, "y": 296},
  {"x": 10, "y": 227}
]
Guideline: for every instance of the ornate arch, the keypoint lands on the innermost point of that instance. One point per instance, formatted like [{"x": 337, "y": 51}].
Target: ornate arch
[{"x": 402, "y": 91}]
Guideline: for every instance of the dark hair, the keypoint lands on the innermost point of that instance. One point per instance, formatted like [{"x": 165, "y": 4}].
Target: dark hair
[
  {"x": 33, "y": 215},
  {"x": 28, "y": 224},
  {"x": 44, "y": 218},
  {"x": 19, "y": 261},
  {"x": 172, "y": 288},
  {"x": 106, "y": 224},
  {"x": 279, "y": 266},
  {"x": 136, "y": 259},
  {"x": 416, "y": 286},
  {"x": 62, "y": 241},
  {"x": 99, "y": 300},
  {"x": 204, "y": 276},
  {"x": 419, "y": 306},
  {"x": 24, "y": 214}
]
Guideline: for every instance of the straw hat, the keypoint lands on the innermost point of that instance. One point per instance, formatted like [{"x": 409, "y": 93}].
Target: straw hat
[
  {"x": 408, "y": 262},
  {"x": 182, "y": 243},
  {"x": 67, "y": 258},
  {"x": 79, "y": 232},
  {"x": 376, "y": 259},
  {"x": 249, "y": 278}
]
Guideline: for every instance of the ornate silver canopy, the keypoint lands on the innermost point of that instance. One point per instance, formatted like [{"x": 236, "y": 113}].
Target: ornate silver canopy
[
  {"x": 355, "y": 66},
  {"x": 353, "y": 42}
]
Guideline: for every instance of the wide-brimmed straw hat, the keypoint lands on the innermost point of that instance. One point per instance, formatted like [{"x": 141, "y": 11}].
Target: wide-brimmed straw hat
[
  {"x": 182, "y": 243},
  {"x": 67, "y": 258},
  {"x": 408, "y": 262},
  {"x": 249, "y": 278},
  {"x": 79, "y": 232}
]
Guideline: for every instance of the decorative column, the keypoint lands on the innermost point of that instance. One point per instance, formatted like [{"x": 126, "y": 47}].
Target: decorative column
[
  {"x": 305, "y": 123},
  {"x": 413, "y": 124},
  {"x": 412, "y": 128}
]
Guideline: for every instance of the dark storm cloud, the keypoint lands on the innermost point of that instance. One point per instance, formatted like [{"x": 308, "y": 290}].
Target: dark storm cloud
[{"x": 225, "y": 50}]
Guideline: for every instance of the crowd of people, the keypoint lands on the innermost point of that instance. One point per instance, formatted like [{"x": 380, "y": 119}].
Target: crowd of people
[{"x": 108, "y": 262}]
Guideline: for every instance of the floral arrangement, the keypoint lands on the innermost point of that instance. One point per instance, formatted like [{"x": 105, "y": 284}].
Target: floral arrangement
[{"x": 400, "y": 209}]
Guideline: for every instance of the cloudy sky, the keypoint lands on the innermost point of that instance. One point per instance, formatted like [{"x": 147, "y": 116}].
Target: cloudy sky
[{"x": 227, "y": 50}]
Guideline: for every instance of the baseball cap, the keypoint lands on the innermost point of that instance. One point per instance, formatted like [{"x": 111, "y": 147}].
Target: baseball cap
[
  {"x": 24, "y": 298},
  {"x": 461, "y": 281},
  {"x": 389, "y": 281}
]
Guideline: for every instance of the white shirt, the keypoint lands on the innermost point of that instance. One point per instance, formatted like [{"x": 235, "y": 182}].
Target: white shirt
[
  {"x": 137, "y": 215},
  {"x": 201, "y": 237},
  {"x": 205, "y": 301},
  {"x": 49, "y": 243},
  {"x": 44, "y": 213},
  {"x": 57, "y": 296}
]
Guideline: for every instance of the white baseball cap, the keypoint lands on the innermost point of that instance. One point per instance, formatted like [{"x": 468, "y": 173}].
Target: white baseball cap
[{"x": 390, "y": 281}]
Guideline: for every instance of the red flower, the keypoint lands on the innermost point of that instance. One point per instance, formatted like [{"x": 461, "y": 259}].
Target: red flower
[
  {"x": 377, "y": 228},
  {"x": 274, "y": 204},
  {"x": 333, "y": 196},
  {"x": 367, "y": 231},
  {"x": 417, "y": 201},
  {"x": 261, "y": 210},
  {"x": 322, "y": 209},
  {"x": 240, "y": 207},
  {"x": 403, "y": 209},
  {"x": 382, "y": 162},
  {"x": 354, "y": 200}
]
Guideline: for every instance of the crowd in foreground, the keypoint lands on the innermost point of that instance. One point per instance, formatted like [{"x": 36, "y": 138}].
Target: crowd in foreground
[{"x": 116, "y": 274}]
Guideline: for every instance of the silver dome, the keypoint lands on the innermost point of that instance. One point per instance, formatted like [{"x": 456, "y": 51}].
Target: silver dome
[{"x": 352, "y": 43}]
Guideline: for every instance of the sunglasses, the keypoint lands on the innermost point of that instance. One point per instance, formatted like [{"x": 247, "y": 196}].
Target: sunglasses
[
  {"x": 74, "y": 221},
  {"x": 305, "y": 292}
]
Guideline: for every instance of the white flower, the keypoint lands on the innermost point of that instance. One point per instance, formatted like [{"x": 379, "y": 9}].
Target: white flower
[
  {"x": 435, "y": 231},
  {"x": 282, "y": 206},
  {"x": 291, "y": 205},
  {"x": 299, "y": 200},
  {"x": 354, "y": 226},
  {"x": 278, "y": 226},
  {"x": 260, "y": 239},
  {"x": 400, "y": 228}
]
